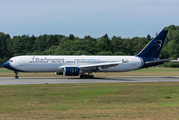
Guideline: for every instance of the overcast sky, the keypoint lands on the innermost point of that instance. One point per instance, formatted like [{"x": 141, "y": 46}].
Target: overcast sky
[{"x": 125, "y": 18}]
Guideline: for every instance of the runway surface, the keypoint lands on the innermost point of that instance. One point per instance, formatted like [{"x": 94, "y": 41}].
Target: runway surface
[{"x": 13, "y": 81}]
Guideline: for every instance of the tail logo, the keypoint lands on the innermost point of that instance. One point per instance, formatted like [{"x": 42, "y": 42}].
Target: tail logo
[{"x": 158, "y": 44}]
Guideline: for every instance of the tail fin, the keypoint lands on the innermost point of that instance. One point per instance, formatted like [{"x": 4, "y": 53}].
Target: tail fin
[{"x": 153, "y": 48}]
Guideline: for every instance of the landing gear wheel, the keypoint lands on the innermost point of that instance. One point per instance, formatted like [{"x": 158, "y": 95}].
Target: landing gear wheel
[
  {"x": 16, "y": 76},
  {"x": 91, "y": 76},
  {"x": 81, "y": 76},
  {"x": 87, "y": 76}
]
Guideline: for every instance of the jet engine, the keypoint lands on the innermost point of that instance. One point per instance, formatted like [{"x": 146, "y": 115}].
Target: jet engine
[{"x": 71, "y": 71}]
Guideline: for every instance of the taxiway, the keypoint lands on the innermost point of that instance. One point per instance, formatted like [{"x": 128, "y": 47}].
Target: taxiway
[{"x": 13, "y": 81}]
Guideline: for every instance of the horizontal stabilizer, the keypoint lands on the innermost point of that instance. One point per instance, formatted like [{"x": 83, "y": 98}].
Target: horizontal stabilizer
[
  {"x": 174, "y": 61},
  {"x": 157, "y": 61}
]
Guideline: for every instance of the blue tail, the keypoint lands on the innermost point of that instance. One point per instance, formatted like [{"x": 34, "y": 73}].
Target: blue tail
[{"x": 152, "y": 50}]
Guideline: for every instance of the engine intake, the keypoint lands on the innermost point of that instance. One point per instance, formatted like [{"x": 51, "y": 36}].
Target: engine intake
[{"x": 71, "y": 71}]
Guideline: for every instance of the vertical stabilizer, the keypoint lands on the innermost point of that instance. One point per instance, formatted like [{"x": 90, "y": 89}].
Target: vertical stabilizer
[{"x": 152, "y": 50}]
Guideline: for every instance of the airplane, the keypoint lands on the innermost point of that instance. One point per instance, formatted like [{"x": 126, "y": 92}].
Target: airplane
[{"x": 85, "y": 65}]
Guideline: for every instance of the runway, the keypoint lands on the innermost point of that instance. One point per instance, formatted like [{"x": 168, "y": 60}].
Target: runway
[{"x": 13, "y": 81}]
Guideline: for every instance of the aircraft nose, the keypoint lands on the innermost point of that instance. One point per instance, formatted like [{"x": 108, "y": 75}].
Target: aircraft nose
[{"x": 6, "y": 65}]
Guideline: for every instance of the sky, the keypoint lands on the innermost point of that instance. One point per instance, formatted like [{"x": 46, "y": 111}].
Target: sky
[{"x": 125, "y": 18}]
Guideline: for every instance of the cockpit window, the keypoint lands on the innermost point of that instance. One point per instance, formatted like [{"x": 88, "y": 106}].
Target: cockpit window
[{"x": 10, "y": 60}]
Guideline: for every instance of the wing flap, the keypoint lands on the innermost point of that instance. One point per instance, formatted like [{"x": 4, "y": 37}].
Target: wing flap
[{"x": 102, "y": 65}]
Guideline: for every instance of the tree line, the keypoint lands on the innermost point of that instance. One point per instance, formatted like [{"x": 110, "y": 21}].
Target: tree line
[{"x": 71, "y": 45}]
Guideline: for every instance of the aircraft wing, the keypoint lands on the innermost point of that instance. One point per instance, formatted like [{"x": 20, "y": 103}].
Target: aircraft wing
[
  {"x": 102, "y": 65},
  {"x": 158, "y": 61}
]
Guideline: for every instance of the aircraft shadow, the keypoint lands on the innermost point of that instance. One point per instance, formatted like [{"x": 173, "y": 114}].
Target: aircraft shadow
[{"x": 83, "y": 79}]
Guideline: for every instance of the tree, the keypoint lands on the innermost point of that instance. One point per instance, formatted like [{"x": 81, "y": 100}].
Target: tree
[
  {"x": 117, "y": 43},
  {"x": 9, "y": 52},
  {"x": 104, "y": 53},
  {"x": 18, "y": 46},
  {"x": 40, "y": 43},
  {"x": 71, "y": 37},
  {"x": 149, "y": 37},
  {"x": 3, "y": 44},
  {"x": 31, "y": 42},
  {"x": 71, "y": 45}
]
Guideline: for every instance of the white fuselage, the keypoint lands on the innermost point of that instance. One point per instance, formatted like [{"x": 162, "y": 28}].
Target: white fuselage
[{"x": 53, "y": 63}]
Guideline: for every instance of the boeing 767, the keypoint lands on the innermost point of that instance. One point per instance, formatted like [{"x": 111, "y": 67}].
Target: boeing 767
[{"x": 86, "y": 65}]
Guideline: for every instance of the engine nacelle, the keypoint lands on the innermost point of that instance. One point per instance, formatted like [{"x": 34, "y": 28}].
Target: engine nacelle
[{"x": 71, "y": 71}]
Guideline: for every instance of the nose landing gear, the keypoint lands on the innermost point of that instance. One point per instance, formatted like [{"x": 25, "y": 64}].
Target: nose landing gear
[{"x": 16, "y": 74}]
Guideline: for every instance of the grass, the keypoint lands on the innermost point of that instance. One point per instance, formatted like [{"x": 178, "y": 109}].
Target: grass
[
  {"x": 90, "y": 101},
  {"x": 142, "y": 72}
]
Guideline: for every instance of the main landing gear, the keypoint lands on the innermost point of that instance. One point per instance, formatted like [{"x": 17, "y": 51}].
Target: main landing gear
[
  {"x": 16, "y": 74},
  {"x": 83, "y": 75},
  {"x": 86, "y": 76}
]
